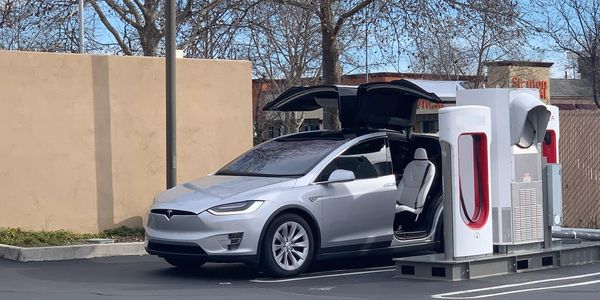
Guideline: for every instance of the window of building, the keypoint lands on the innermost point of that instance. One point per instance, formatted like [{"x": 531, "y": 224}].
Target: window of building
[{"x": 430, "y": 126}]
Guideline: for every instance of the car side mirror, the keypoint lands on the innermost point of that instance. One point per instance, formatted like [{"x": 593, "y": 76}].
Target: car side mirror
[{"x": 340, "y": 175}]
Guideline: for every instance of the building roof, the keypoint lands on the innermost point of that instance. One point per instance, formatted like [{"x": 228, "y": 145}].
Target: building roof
[
  {"x": 380, "y": 76},
  {"x": 444, "y": 89},
  {"x": 400, "y": 75},
  {"x": 520, "y": 63},
  {"x": 577, "y": 89}
]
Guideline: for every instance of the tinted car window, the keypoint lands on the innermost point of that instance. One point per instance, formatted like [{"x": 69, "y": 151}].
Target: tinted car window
[
  {"x": 282, "y": 157},
  {"x": 368, "y": 159}
]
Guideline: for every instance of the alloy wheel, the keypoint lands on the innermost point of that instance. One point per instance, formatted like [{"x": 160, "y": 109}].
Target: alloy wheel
[{"x": 290, "y": 246}]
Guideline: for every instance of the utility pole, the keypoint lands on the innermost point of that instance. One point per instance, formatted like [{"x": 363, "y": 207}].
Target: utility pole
[
  {"x": 171, "y": 27},
  {"x": 367, "y": 44},
  {"x": 81, "y": 26}
]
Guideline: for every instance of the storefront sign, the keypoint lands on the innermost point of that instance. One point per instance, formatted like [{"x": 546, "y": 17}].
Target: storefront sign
[
  {"x": 541, "y": 85},
  {"x": 423, "y": 104}
]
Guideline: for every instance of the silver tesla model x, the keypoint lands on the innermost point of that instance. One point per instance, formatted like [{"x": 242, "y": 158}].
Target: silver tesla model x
[{"x": 373, "y": 187}]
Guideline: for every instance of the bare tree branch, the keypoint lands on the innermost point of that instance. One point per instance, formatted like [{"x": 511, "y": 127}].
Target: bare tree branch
[
  {"x": 573, "y": 26},
  {"x": 122, "y": 14},
  {"x": 306, "y": 6},
  {"x": 349, "y": 14},
  {"x": 110, "y": 28}
]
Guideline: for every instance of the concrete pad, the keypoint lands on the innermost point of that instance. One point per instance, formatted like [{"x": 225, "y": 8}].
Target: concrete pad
[
  {"x": 51, "y": 253},
  {"x": 437, "y": 267}
]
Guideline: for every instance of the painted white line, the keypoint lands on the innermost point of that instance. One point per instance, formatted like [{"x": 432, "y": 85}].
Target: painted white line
[
  {"x": 332, "y": 271},
  {"x": 528, "y": 290},
  {"x": 367, "y": 271},
  {"x": 451, "y": 295}
]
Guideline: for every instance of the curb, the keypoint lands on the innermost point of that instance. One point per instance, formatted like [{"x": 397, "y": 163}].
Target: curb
[{"x": 52, "y": 253}]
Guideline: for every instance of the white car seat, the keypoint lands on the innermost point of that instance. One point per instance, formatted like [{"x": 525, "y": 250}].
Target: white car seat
[{"x": 415, "y": 184}]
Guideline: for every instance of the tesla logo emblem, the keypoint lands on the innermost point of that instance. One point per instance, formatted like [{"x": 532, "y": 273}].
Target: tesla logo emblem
[{"x": 169, "y": 213}]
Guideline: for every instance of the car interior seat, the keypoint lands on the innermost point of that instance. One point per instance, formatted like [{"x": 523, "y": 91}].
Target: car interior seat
[
  {"x": 360, "y": 165},
  {"x": 415, "y": 184}
]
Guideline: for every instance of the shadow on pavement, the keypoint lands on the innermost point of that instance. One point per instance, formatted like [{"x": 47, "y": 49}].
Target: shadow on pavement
[
  {"x": 246, "y": 272},
  {"x": 211, "y": 271},
  {"x": 149, "y": 270}
]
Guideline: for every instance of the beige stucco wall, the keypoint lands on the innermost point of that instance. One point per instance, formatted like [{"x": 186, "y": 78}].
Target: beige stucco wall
[{"x": 83, "y": 137}]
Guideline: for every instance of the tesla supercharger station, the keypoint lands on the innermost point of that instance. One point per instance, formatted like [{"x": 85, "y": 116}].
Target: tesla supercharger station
[
  {"x": 519, "y": 121},
  {"x": 465, "y": 135},
  {"x": 550, "y": 145},
  {"x": 552, "y": 172}
]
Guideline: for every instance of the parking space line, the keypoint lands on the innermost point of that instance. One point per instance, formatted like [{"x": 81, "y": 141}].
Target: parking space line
[
  {"x": 354, "y": 272},
  {"x": 527, "y": 290},
  {"x": 453, "y": 295}
]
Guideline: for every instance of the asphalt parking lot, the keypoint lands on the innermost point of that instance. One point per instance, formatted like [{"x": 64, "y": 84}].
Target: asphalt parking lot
[{"x": 148, "y": 277}]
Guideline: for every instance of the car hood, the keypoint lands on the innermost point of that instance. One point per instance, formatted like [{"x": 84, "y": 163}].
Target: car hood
[{"x": 206, "y": 192}]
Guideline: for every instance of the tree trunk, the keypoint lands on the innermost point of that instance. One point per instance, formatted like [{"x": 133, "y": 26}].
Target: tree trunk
[
  {"x": 594, "y": 80},
  {"x": 149, "y": 40},
  {"x": 330, "y": 61},
  {"x": 290, "y": 122},
  {"x": 148, "y": 47},
  {"x": 480, "y": 62}
]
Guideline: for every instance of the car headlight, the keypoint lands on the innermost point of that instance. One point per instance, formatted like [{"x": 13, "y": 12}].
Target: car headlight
[{"x": 244, "y": 207}]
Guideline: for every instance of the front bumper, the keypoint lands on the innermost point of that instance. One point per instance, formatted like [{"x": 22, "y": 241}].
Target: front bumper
[
  {"x": 192, "y": 251},
  {"x": 206, "y": 236}
]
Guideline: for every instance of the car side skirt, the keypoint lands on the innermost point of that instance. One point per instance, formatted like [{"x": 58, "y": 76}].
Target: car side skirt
[{"x": 433, "y": 245}]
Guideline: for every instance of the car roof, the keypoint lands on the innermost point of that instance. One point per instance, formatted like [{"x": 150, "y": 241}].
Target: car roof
[
  {"x": 319, "y": 135},
  {"x": 336, "y": 135},
  {"x": 346, "y": 135}
]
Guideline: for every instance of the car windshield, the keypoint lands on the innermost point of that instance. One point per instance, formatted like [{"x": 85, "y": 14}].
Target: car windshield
[{"x": 286, "y": 157}]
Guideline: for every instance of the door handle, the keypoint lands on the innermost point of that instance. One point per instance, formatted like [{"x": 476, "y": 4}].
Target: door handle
[{"x": 389, "y": 184}]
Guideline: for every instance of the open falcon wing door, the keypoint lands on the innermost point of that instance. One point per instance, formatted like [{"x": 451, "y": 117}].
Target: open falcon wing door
[
  {"x": 377, "y": 105},
  {"x": 315, "y": 97},
  {"x": 390, "y": 105}
]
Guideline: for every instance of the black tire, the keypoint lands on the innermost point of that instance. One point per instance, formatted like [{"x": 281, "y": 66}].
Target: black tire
[
  {"x": 268, "y": 255},
  {"x": 185, "y": 263}
]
